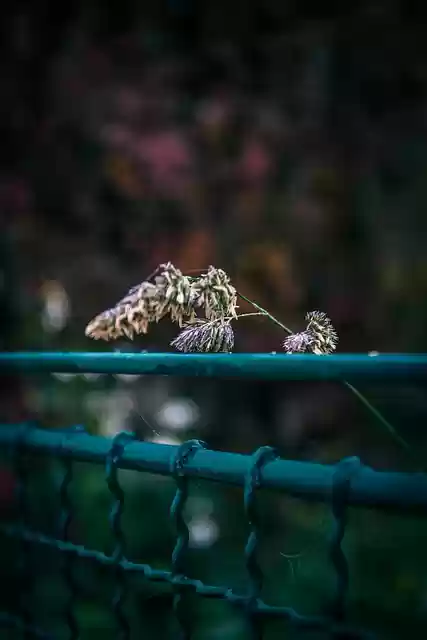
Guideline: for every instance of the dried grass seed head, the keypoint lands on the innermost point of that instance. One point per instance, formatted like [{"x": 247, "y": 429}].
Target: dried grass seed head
[
  {"x": 214, "y": 292},
  {"x": 299, "y": 343},
  {"x": 145, "y": 303},
  {"x": 325, "y": 338},
  {"x": 130, "y": 315},
  {"x": 205, "y": 337}
]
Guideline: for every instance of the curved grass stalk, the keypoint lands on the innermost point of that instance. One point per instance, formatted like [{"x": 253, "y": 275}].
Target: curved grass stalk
[
  {"x": 265, "y": 313},
  {"x": 378, "y": 415}
]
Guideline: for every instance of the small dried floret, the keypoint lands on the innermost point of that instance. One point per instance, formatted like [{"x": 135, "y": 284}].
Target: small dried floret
[
  {"x": 173, "y": 294},
  {"x": 102, "y": 327},
  {"x": 129, "y": 316},
  {"x": 214, "y": 292},
  {"x": 201, "y": 336},
  {"x": 109, "y": 325},
  {"x": 299, "y": 343},
  {"x": 325, "y": 337}
]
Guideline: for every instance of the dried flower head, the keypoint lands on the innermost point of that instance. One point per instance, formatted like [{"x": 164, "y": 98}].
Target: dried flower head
[
  {"x": 129, "y": 316},
  {"x": 320, "y": 327},
  {"x": 201, "y": 336},
  {"x": 146, "y": 303},
  {"x": 214, "y": 292},
  {"x": 299, "y": 343}
]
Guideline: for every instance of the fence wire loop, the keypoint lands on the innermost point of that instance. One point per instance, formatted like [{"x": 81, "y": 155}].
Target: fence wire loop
[
  {"x": 183, "y": 454},
  {"x": 345, "y": 470},
  {"x": 112, "y": 461},
  {"x": 179, "y": 459},
  {"x": 118, "y": 445},
  {"x": 253, "y": 481}
]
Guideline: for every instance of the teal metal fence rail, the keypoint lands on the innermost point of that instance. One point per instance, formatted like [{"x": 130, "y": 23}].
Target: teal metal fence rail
[{"x": 347, "y": 483}]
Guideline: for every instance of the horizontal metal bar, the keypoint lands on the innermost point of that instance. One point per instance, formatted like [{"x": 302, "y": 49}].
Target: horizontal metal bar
[
  {"x": 265, "y": 366},
  {"x": 310, "y": 481},
  {"x": 313, "y": 623}
]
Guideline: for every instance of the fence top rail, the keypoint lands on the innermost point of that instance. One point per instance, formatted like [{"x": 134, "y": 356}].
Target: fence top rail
[
  {"x": 262, "y": 366},
  {"x": 309, "y": 481}
]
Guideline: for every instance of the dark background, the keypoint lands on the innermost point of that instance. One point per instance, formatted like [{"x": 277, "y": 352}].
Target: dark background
[{"x": 284, "y": 142}]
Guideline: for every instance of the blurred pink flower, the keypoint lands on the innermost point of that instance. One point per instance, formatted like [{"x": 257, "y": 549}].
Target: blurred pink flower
[
  {"x": 256, "y": 163},
  {"x": 169, "y": 159}
]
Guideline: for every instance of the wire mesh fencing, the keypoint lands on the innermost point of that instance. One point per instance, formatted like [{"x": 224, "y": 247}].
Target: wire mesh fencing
[{"x": 347, "y": 483}]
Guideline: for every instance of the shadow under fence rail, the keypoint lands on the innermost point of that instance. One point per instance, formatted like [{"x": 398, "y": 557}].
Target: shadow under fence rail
[{"x": 347, "y": 483}]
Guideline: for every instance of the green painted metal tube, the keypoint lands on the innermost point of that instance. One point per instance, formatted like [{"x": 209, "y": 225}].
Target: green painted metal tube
[
  {"x": 369, "y": 488},
  {"x": 262, "y": 366}
]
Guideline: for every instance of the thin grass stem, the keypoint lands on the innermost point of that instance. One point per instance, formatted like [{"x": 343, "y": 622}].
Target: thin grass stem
[{"x": 265, "y": 312}]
